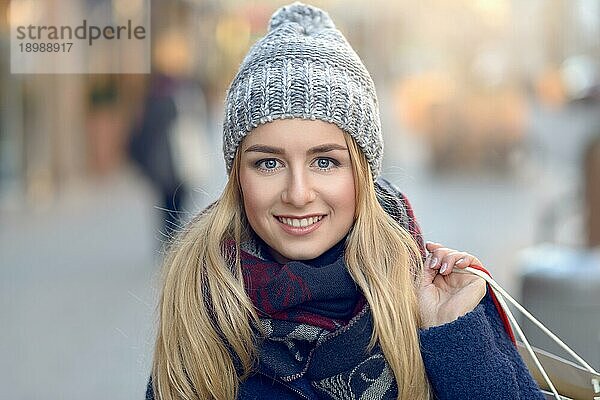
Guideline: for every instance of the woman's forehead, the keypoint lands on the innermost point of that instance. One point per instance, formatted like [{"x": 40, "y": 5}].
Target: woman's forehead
[{"x": 295, "y": 134}]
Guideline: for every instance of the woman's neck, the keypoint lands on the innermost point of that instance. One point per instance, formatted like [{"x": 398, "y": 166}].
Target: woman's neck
[{"x": 328, "y": 257}]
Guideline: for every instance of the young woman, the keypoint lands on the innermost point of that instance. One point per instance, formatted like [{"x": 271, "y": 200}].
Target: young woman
[{"x": 306, "y": 279}]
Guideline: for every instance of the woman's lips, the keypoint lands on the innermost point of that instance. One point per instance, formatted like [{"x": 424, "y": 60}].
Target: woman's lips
[{"x": 298, "y": 230}]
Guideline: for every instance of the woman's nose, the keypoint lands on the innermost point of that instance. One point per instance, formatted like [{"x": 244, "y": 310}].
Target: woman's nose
[{"x": 299, "y": 190}]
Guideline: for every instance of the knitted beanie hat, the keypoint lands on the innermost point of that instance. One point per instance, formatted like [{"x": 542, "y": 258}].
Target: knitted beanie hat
[{"x": 303, "y": 68}]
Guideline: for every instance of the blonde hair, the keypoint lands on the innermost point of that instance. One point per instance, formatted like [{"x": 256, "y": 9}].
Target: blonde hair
[{"x": 205, "y": 315}]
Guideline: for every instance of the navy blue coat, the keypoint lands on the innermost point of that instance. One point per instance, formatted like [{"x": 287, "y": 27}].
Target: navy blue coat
[{"x": 470, "y": 358}]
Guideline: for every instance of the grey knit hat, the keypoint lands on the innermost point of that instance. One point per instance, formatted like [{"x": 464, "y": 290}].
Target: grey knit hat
[{"x": 303, "y": 68}]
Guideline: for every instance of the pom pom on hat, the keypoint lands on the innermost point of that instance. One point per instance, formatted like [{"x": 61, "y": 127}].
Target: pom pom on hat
[{"x": 311, "y": 19}]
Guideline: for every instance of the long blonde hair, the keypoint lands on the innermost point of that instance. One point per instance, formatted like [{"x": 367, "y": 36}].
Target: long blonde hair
[{"x": 205, "y": 315}]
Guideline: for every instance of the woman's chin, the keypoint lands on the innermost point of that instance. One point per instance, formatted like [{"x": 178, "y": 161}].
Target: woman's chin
[{"x": 297, "y": 254}]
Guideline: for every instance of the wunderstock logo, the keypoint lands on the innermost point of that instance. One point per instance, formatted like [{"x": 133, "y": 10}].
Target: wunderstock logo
[{"x": 79, "y": 36}]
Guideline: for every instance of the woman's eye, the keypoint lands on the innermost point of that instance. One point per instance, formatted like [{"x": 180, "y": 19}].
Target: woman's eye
[
  {"x": 268, "y": 164},
  {"x": 326, "y": 163}
]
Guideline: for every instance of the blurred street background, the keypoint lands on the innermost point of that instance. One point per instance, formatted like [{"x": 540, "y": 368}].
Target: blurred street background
[{"x": 491, "y": 120}]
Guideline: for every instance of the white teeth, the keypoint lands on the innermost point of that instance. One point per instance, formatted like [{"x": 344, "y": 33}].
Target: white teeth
[{"x": 297, "y": 223}]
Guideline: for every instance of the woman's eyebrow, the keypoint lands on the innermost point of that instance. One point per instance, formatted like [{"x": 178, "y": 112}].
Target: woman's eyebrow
[
  {"x": 261, "y": 148},
  {"x": 323, "y": 148}
]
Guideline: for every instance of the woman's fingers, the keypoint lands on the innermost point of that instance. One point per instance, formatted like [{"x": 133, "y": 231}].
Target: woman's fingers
[
  {"x": 466, "y": 261},
  {"x": 460, "y": 260},
  {"x": 440, "y": 256},
  {"x": 446, "y": 259},
  {"x": 436, "y": 251},
  {"x": 431, "y": 246}
]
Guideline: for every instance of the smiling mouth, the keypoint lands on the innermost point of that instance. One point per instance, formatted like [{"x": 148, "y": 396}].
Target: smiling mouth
[{"x": 300, "y": 222}]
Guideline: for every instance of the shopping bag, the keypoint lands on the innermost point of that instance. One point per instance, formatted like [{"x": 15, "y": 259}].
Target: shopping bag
[
  {"x": 568, "y": 378},
  {"x": 558, "y": 378}
]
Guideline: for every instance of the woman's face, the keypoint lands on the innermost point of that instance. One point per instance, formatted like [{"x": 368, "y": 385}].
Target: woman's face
[{"x": 298, "y": 186}]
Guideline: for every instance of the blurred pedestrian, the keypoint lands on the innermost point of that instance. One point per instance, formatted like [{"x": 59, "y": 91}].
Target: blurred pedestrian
[
  {"x": 306, "y": 278},
  {"x": 151, "y": 147}
]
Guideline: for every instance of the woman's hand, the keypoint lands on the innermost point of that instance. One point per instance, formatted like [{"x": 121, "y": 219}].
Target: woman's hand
[{"x": 443, "y": 296}]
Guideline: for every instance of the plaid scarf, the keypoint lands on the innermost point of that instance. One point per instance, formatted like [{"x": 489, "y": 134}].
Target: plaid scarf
[{"x": 318, "y": 292}]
